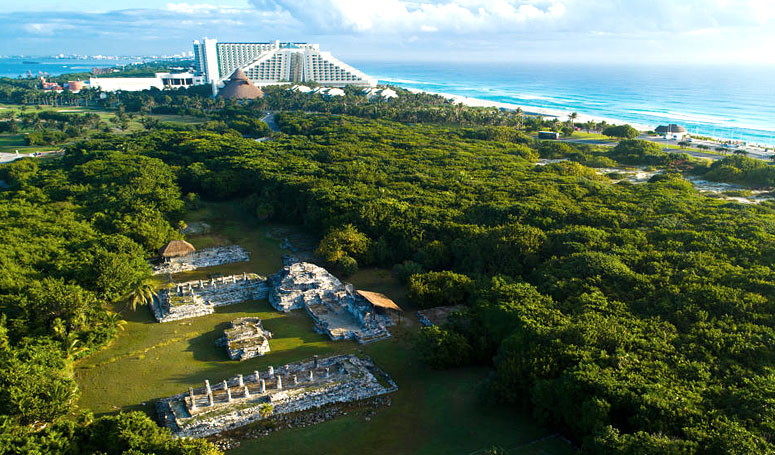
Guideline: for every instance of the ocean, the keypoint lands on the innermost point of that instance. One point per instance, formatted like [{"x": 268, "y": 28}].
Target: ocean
[
  {"x": 730, "y": 102},
  {"x": 39, "y": 66}
]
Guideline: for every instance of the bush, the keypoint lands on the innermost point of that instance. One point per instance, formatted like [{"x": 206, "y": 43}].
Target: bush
[
  {"x": 621, "y": 132},
  {"x": 637, "y": 151},
  {"x": 433, "y": 289},
  {"x": 442, "y": 348},
  {"x": 347, "y": 265},
  {"x": 405, "y": 270}
]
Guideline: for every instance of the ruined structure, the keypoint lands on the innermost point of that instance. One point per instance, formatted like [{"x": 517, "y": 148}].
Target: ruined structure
[
  {"x": 295, "y": 387},
  {"x": 208, "y": 257},
  {"x": 437, "y": 315},
  {"x": 336, "y": 308},
  {"x": 200, "y": 297},
  {"x": 245, "y": 339}
]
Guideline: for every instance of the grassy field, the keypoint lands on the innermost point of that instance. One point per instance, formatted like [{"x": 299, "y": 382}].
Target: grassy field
[
  {"x": 12, "y": 142},
  {"x": 434, "y": 412}
]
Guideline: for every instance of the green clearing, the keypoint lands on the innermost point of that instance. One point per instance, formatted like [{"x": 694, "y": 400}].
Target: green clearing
[
  {"x": 434, "y": 412},
  {"x": 13, "y": 142},
  {"x": 10, "y": 143}
]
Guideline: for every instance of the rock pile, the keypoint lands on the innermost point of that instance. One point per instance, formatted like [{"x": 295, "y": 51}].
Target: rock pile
[{"x": 245, "y": 339}]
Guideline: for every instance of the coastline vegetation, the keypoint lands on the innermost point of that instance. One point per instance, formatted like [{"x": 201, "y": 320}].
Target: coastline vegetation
[{"x": 631, "y": 318}]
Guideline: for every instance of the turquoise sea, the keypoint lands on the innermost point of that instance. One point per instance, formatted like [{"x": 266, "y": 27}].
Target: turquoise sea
[
  {"x": 731, "y": 102},
  {"x": 40, "y": 66}
]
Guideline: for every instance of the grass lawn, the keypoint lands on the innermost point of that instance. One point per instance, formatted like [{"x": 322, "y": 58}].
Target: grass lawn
[
  {"x": 433, "y": 412},
  {"x": 591, "y": 136},
  {"x": 10, "y": 143}
]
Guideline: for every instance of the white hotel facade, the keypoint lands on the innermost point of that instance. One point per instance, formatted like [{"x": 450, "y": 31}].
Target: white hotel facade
[{"x": 274, "y": 63}]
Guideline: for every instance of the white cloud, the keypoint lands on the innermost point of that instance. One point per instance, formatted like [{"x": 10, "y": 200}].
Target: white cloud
[{"x": 396, "y": 16}]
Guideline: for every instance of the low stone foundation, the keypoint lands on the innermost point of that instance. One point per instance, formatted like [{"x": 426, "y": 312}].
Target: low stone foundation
[
  {"x": 245, "y": 339},
  {"x": 292, "y": 388},
  {"x": 208, "y": 257},
  {"x": 200, "y": 297}
]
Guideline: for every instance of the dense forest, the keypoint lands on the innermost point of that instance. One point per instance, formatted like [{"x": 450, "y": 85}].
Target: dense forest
[{"x": 634, "y": 318}]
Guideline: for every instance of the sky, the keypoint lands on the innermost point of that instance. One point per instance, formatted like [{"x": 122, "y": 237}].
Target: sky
[{"x": 598, "y": 31}]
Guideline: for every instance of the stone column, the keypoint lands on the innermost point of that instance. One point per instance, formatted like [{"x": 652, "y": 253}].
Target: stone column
[
  {"x": 326, "y": 374},
  {"x": 315, "y": 361},
  {"x": 255, "y": 374},
  {"x": 247, "y": 392},
  {"x": 207, "y": 387},
  {"x": 193, "y": 397},
  {"x": 228, "y": 395},
  {"x": 209, "y": 399},
  {"x": 279, "y": 382},
  {"x": 295, "y": 380},
  {"x": 244, "y": 276},
  {"x": 239, "y": 380},
  {"x": 311, "y": 376},
  {"x": 271, "y": 371},
  {"x": 263, "y": 386}
]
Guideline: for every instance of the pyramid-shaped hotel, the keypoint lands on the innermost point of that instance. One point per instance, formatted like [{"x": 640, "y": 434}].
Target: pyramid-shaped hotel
[{"x": 274, "y": 63}]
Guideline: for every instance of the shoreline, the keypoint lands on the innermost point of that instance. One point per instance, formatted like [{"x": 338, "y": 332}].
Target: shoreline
[
  {"x": 528, "y": 110},
  {"x": 562, "y": 115}
]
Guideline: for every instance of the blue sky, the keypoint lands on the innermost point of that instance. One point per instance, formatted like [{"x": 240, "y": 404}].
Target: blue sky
[{"x": 605, "y": 31}]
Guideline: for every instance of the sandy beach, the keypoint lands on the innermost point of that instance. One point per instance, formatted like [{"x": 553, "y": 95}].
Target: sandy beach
[{"x": 562, "y": 115}]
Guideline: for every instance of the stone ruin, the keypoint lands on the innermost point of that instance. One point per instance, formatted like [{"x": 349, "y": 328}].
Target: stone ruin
[
  {"x": 437, "y": 315},
  {"x": 208, "y": 257},
  {"x": 337, "y": 309},
  {"x": 245, "y": 339},
  {"x": 200, "y": 297},
  {"x": 295, "y": 387}
]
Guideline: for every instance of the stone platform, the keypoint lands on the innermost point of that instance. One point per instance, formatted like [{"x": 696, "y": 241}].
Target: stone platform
[
  {"x": 200, "y": 297},
  {"x": 208, "y": 257},
  {"x": 245, "y": 339},
  {"x": 295, "y": 387},
  {"x": 337, "y": 309}
]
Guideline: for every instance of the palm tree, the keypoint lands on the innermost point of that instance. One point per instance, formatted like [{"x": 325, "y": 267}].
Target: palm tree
[
  {"x": 572, "y": 118},
  {"x": 141, "y": 295},
  {"x": 265, "y": 410}
]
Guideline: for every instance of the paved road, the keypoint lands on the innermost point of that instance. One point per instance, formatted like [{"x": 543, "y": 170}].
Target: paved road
[
  {"x": 269, "y": 120},
  {"x": 8, "y": 157}
]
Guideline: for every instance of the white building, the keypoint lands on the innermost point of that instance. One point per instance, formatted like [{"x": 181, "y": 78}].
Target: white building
[
  {"x": 160, "y": 81},
  {"x": 274, "y": 63}
]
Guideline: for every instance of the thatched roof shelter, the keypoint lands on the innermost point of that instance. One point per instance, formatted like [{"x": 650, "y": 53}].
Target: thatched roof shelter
[
  {"x": 671, "y": 128},
  {"x": 176, "y": 249},
  {"x": 239, "y": 87},
  {"x": 380, "y": 301}
]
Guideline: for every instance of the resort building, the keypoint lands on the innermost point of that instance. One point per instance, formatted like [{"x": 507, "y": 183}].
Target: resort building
[
  {"x": 274, "y": 63},
  {"x": 160, "y": 81}
]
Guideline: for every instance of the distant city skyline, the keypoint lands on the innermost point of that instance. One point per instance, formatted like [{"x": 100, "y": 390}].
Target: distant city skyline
[{"x": 599, "y": 31}]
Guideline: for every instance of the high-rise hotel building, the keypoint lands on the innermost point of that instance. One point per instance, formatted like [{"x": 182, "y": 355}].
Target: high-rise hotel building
[{"x": 275, "y": 63}]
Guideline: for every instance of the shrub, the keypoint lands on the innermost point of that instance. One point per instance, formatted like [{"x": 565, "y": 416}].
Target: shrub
[{"x": 433, "y": 289}]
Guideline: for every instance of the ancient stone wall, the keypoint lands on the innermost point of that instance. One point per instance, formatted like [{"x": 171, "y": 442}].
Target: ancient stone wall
[
  {"x": 200, "y": 297},
  {"x": 208, "y": 257},
  {"x": 291, "y": 388}
]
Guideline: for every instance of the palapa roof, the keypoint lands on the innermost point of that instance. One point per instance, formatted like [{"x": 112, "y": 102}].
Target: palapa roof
[
  {"x": 671, "y": 128},
  {"x": 239, "y": 87},
  {"x": 176, "y": 248},
  {"x": 379, "y": 300}
]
